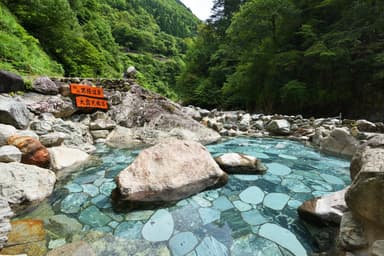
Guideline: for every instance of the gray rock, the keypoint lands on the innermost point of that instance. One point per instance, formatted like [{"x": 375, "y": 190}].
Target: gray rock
[
  {"x": 102, "y": 124},
  {"x": 10, "y": 154},
  {"x": 190, "y": 111},
  {"x": 79, "y": 248},
  {"x": 41, "y": 127},
  {"x": 13, "y": 112},
  {"x": 6, "y": 131},
  {"x": 5, "y": 216},
  {"x": 58, "y": 105},
  {"x": 10, "y": 82},
  {"x": 377, "y": 248},
  {"x": 239, "y": 163},
  {"x": 27, "y": 133},
  {"x": 64, "y": 159},
  {"x": 324, "y": 210},
  {"x": 25, "y": 185},
  {"x": 365, "y": 126},
  {"x": 53, "y": 139},
  {"x": 63, "y": 226},
  {"x": 259, "y": 124},
  {"x": 245, "y": 122},
  {"x": 339, "y": 141},
  {"x": 64, "y": 88},
  {"x": 167, "y": 172},
  {"x": 100, "y": 134},
  {"x": 279, "y": 127},
  {"x": 45, "y": 85},
  {"x": 351, "y": 236}
]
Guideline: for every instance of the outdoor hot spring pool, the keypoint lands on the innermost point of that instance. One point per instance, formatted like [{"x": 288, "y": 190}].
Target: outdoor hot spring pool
[{"x": 251, "y": 215}]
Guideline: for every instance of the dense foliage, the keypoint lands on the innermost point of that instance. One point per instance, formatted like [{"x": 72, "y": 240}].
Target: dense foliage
[
  {"x": 93, "y": 38},
  {"x": 298, "y": 56}
]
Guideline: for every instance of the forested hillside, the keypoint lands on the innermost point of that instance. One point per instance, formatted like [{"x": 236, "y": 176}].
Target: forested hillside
[
  {"x": 96, "y": 38},
  {"x": 292, "y": 56}
]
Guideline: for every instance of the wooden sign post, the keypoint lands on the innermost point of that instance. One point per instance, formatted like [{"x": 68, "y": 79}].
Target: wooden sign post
[{"x": 90, "y": 97}]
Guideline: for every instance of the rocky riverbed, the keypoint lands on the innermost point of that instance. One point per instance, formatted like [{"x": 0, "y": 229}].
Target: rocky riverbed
[{"x": 44, "y": 137}]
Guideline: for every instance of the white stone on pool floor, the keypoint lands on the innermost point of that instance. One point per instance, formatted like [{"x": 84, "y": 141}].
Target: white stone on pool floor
[
  {"x": 252, "y": 195},
  {"x": 276, "y": 201},
  {"x": 159, "y": 227},
  {"x": 253, "y": 217},
  {"x": 332, "y": 179},
  {"x": 222, "y": 203},
  {"x": 246, "y": 177},
  {"x": 211, "y": 247},
  {"x": 182, "y": 243},
  {"x": 296, "y": 186},
  {"x": 209, "y": 215},
  {"x": 241, "y": 206},
  {"x": 201, "y": 201},
  {"x": 289, "y": 157},
  {"x": 278, "y": 169},
  {"x": 282, "y": 237},
  {"x": 90, "y": 189},
  {"x": 259, "y": 155}
]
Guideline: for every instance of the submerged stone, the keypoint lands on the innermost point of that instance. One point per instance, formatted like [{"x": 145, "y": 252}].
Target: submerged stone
[
  {"x": 73, "y": 202},
  {"x": 252, "y": 195},
  {"x": 210, "y": 246},
  {"x": 129, "y": 230},
  {"x": 241, "y": 206},
  {"x": 282, "y": 237},
  {"x": 209, "y": 215},
  {"x": 73, "y": 188},
  {"x": 332, "y": 179},
  {"x": 107, "y": 188},
  {"x": 182, "y": 243},
  {"x": 92, "y": 216},
  {"x": 159, "y": 227},
  {"x": 278, "y": 169},
  {"x": 246, "y": 177},
  {"x": 139, "y": 215},
  {"x": 90, "y": 190},
  {"x": 253, "y": 217},
  {"x": 222, "y": 203},
  {"x": 295, "y": 186},
  {"x": 276, "y": 201},
  {"x": 250, "y": 245}
]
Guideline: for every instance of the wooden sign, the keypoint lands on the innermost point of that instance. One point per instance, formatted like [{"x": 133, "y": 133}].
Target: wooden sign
[
  {"x": 87, "y": 102},
  {"x": 86, "y": 90}
]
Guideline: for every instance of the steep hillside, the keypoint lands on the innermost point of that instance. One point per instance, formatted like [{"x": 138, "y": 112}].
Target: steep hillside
[{"x": 100, "y": 38}]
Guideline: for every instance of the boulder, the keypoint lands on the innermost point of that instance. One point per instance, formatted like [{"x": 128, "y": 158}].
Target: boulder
[
  {"x": 102, "y": 124},
  {"x": 339, "y": 142},
  {"x": 351, "y": 235},
  {"x": 192, "y": 112},
  {"x": 65, "y": 159},
  {"x": 279, "y": 127},
  {"x": 167, "y": 172},
  {"x": 239, "y": 163},
  {"x": 79, "y": 248},
  {"x": 10, "y": 82},
  {"x": 377, "y": 248},
  {"x": 10, "y": 154},
  {"x": 324, "y": 210},
  {"x": 150, "y": 113},
  {"x": 45, "y": 85},
  {"x": 245, "y": 122},
  {"x": 365, "y": 126},
  {"x": 26, "y": 236},
  {"x": 53, "y": 139},
  {"x": 25, "y": 185},
  {"x": 13, "y": 112},
  {"x": 130, "y": 72},
  {"x": 33, "y": 151},
  {"x": 99, "y": 134},
  {"x": 5, "y": 226},
  {"x": 41, "y": 127},
  {"x": 367, "y": 173},
  {"x": 58, "y": 105},
  {"x": 6, "y": 131}
]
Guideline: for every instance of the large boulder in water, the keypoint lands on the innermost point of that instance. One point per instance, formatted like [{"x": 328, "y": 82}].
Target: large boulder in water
[
  {"x": 167, "y": 172},
  {"x": 64, "y": 160},
  {"x": 279, "y": 127},
  {"x": 33, "y": 152},
  {"x": 152, "y": 117},
  {"x": 339, "y": 142},
  {"x": 13, "y": 112},
  {"x": 25, "y": 185}
]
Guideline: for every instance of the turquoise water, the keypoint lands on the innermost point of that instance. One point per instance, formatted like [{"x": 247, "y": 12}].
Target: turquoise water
[{"x": 251, "y": 215}]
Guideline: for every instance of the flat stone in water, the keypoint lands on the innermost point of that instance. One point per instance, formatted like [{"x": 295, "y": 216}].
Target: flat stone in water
[
  {"x": 139, "y": 215},
  {"x": 289, "y": 157},
  {"x": 90, "y": 190},
  {"x": 282, "y": 237},
  {"x": 272, "y": 178},
  {"x": 253, "y": 217},
  {"x": 252, "y": 195},
  {"x": 259, "y": 155},
  {"x": 294, "y": 204},
  {"x": 278, "y": 169},
  {"x": 106, "y": 188},
  {"x": 246, "y": 177},
  {"x": 211, "y": 247},
  {"x": 332, "y": 179},
  {"x": 241, "y": 206},
  {"x": 74, "y": 188},
  {"x": 295, "y": 186},
  {"x": 73, "y": 202},
  {"x": 222, "y": 203},
  {"x": 209, "y": 215},
  {"x": 276, "y": 201},
  {"x": 93, "y": 217},
  {"x": 254, "y": 245},
  {"x": 202, "y": 201},
  {"x": 129, "y": 230},
  {"x": 159, "y": 227},
  {"x": 182, "y": 243}
]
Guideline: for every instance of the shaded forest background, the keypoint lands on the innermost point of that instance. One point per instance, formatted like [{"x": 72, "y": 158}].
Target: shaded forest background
[{"x": 314, "y": 57}]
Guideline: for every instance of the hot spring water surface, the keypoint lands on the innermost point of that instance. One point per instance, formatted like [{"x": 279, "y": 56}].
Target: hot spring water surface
[{"x": 251, "y": 215}]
